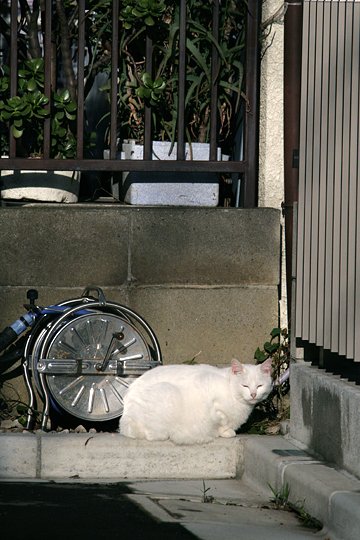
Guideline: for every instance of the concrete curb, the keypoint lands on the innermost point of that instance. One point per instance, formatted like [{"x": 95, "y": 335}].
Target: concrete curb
[
  {"x": 329, "y": 495},
  {"x": 110, "y": 455}
]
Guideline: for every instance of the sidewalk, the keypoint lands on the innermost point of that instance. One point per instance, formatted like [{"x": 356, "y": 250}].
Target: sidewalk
[
  {"x": 170, "y": 482},
  {"x": 146, "y": 510},
  {"x": 235, "y": 510}
]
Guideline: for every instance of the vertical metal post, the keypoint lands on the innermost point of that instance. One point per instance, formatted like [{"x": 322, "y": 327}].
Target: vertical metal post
[
  {"x": 182, "y": 83},
  {"x": 292, "y": 78},
  {"x": 48, "y": 79},
  {"x": 13, "y": 65},
  {"x": 114, "y": 78},
  {"x": 148, "y": 130},
  {"x": 250, "y": 188},
  {"x": 80, "y": 81},
  {"x": 214, "y": 83}
]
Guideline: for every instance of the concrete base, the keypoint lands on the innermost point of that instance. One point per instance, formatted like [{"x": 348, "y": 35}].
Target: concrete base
[{"x": 325, "y": 415}]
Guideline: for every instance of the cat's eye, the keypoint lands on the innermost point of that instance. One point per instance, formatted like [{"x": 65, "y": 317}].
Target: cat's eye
[
  {"x": 260, "y": 385},
  {"x": 245, "y": 386}
]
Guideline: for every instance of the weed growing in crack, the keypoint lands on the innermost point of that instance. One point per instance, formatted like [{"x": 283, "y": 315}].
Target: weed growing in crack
[
  {"x": 206, "y": 498},
  {"x": 281, "y": 501}
]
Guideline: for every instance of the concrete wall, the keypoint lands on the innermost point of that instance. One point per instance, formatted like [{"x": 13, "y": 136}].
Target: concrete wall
[
  {"x": 204, "y": 279},
  {"x": 325, "y": 415},
  {"x": 271, "y": 142},
  {"x": 271, "y": 130}
]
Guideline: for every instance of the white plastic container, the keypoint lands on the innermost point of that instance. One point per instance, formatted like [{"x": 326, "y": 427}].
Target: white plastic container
[
  {"x": 175, "y": 189},
  {"x": 38, "y": 185}
]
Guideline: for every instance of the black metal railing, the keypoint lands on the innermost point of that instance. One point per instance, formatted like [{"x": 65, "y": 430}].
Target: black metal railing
[{"x": 23, "y": 22}]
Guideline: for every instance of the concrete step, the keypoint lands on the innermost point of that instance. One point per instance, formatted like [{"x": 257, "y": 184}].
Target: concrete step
[{"x": 112, "y": 456}]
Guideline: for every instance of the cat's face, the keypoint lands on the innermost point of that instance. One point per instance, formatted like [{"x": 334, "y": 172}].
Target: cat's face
[{"x": 252, "y": 383}]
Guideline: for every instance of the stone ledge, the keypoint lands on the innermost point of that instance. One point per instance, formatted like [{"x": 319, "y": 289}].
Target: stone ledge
[{"x": 110, "y": 455}]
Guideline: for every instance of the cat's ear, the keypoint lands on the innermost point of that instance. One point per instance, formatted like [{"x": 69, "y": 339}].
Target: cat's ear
[
  {"x": 266, "y": 366},
  {"x": 236, "y": 366}
]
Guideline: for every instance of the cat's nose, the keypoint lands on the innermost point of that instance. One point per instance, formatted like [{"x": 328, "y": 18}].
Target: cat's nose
[{"x": 253, "y": 395}]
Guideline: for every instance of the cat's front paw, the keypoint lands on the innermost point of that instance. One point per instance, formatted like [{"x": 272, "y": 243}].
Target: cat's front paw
[{"x": 227, "y": 433}]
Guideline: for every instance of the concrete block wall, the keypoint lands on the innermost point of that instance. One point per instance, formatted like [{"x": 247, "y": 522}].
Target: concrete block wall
[
  {"x": 324, "y": 415},
  {"x": 205, "y": 279}
]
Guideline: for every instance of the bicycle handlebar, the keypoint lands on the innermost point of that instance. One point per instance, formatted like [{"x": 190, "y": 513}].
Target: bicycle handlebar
[
  {"x": 12, "y": 332},
  {"x": 7, "y": 337}
]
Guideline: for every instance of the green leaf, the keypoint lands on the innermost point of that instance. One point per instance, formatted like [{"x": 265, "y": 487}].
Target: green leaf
[
  {"x": 275, "y": 332},
  {"x": 66, "y": 95},
  {"x": 43, "y": 113},
  {"x": 260, "y": 356},
  {"x": 270, "y": 348},
  {"x": 159, "y": 84},
  {"x": 71, "y": 107},
  {"x": 22, "y": 420},
  {"x": 146, "y": 79},
  {"x": 21, "y": 408},
  {"x": 70, "y": 116},
  {"x": 17, "y": 133},
  {"x": 200, "y": 59},
  {"x": 31, "y": 85},
  {"x": 143, "y": 92},
  {"x": 149, "y": 21},
  {"x": 37, "y": 64}
]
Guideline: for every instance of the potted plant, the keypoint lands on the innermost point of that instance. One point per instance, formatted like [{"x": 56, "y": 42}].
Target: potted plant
[
  {"x": 138, "y": 88},
  {"x": 23, "y": 115}
]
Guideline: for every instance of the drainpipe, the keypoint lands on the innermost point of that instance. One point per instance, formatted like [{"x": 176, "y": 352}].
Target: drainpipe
[{"x": 292, "y": 79}]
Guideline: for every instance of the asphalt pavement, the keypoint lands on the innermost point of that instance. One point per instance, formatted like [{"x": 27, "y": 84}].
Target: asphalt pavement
[
  {"x": 78, "y": 511},
  {"x": 152, "y": 510}
]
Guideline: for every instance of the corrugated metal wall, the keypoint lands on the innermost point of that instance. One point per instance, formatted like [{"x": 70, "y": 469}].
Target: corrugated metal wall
[{"x": 327, "y": 308}]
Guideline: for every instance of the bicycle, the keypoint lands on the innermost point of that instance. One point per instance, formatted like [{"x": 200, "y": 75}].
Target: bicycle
[{"x": 79, "y": 356}]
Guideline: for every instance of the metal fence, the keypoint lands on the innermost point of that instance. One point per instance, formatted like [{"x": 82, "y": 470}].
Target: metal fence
[
  {"x": 328, "y": 240},
  {"x": 242, "y": 168}
]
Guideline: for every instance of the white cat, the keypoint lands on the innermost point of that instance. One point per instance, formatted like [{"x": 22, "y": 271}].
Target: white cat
[{"x": 193, "y": 403}]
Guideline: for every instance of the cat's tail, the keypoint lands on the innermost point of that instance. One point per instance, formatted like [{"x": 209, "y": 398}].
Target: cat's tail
[{"x": 283, "y": 378}]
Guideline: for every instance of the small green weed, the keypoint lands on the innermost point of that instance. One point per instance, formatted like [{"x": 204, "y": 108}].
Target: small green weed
[
  {"x": 192, "y": 360},
  {"x": 280, "y": 497},
  {"x": 281, "y": 501},
  {"x": 306, "y": 519},
  {"x": 206, "y": 498}
]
